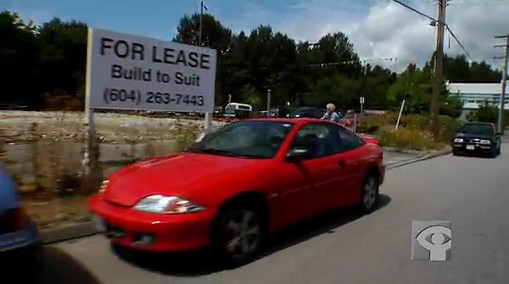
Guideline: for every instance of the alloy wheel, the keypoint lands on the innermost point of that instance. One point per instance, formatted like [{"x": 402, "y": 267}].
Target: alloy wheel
[
  {"x": 370, "y": 193},
  {"x": 243, "y": 233}
]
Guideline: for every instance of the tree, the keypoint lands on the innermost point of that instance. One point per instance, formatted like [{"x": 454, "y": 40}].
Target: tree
[
  {"x": 486, "y": 113},
  {"x": 452, "y": 106},
  {"x": 214, "y": 35},
  {"x": 457, "y": 69},
  {"x": 19, "y": 56},
  {"x": 63, "y": 56},
  {"x": 414, "y": 85},
  {"x": 52, "y": 58}
]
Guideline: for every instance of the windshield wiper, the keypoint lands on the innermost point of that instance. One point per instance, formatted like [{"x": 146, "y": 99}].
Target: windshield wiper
[{"x": 211, "y": 151}]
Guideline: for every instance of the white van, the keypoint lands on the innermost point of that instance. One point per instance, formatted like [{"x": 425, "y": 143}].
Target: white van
[{"x": 238, "y": 109}]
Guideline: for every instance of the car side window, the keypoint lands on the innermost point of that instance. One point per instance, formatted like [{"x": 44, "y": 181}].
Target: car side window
[
  {"x": 318, "y": 138},
  {"x": 349, "y": 141}
]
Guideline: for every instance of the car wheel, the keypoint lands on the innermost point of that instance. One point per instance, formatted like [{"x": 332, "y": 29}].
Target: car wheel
[
  {"x": 493, "y": 153},
  {"x": 238, "y": 235},
  {"x": 370, "y": 194},
  {"x": 499, "y": 150},
  {"x": 455, "y": 153}
]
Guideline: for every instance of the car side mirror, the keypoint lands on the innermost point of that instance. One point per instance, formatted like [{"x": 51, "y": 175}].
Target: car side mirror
[
  {"x": 499, "y": 134},
  {"x": 297, "y": 154}
]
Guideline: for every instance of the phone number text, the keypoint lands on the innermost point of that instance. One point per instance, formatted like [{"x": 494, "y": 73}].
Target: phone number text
[{"x": 138, "y": 97}]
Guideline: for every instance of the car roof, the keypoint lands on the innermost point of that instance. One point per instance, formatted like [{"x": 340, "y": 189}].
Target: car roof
[
  {"x": 288, "y": 120},
  {"x": 479, "y": 123},
  {"x": 308, "y": 108}
]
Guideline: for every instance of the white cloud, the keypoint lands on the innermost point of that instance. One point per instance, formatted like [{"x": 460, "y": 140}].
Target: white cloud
[{"x": 382, "y": 29}]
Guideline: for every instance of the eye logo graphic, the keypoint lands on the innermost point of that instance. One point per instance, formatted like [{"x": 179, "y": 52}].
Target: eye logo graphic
[{"x": 431, "y": 240}]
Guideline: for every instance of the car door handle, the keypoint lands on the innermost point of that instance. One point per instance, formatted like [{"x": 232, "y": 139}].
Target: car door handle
[{"x": 341, "y": 163}]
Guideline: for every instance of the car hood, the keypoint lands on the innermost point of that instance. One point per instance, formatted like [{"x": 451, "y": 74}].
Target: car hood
[
  {"x": 473, "y": 136},
  {"x": 184, "y": 175}
]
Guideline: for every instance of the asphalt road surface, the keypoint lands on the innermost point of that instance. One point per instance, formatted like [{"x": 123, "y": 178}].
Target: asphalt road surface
[{"x": 341, "y": 247}]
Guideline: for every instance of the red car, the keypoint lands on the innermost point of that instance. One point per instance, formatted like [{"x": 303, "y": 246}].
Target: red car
[{"x": 238, "y": 184}]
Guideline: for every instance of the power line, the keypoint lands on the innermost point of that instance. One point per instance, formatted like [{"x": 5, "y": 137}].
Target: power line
[
  {"x": 415, "y": 10},
  {"x": 434, "y": 22},
  {"x": 457, "y": 40}
]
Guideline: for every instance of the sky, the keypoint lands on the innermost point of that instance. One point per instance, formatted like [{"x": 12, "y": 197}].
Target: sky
[{"x": 382, "y": 31}]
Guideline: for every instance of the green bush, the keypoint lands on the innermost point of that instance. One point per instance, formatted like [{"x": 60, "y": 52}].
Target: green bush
[
  {"x": 407, "y": 138},
  {"x": 371, "y": 124},
  {"x": 447, "y": 125}
]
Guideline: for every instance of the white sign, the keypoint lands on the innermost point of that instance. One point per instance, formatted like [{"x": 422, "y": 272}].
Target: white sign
[
  {"x": 362, "y": 100},
  {"x": 139, "y": 73}
]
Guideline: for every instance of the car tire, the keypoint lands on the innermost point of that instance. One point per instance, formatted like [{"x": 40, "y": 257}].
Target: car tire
[
  {"x": 499, "y": 150},
  {"x": 493, "y": 153},
  {"x": 455, "y": 153},
  {"x": 369, "y": 194},
  {"x": 238, "y": 234}
]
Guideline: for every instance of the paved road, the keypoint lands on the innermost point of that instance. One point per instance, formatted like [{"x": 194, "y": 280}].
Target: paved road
[{"x": 341, "y": 247}]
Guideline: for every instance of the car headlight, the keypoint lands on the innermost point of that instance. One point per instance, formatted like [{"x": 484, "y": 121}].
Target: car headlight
[
  {"x": 458, "y": 140},
  {"x": 166, "y": 205},
  {"x": 485, "y": 142}
]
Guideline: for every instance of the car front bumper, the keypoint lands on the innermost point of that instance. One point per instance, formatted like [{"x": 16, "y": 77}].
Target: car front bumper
[
  {"x": 472, "y": 148},
  {"x": 150, "y": 231},
  {"x": 18, "y": 240}
]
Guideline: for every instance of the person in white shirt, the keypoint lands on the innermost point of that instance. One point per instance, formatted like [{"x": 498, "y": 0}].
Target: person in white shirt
[{"x": 330, "y": 113}]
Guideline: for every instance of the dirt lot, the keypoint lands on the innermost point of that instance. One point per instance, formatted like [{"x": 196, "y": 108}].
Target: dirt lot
[{"x": 20, "y": 126}]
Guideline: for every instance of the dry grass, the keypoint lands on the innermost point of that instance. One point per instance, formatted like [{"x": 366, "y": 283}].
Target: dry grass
[
  {"x": 57, "y": 212},
  {"x": 408, "y": 138}
]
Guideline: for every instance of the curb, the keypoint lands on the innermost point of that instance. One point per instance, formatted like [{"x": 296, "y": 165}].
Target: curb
[
  {"x": 67, "y": 233},
  {"x": 404, "y": 151},
  {"x": 422, "y": 158},
  {"x": 86, "y": 229}
]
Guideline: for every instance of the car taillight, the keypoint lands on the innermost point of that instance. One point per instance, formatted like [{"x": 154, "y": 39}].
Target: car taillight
[{"x": 13, "y": 220}]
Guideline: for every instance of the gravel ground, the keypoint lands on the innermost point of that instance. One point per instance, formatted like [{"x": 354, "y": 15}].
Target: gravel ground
[{"x": 19, "y": 126}]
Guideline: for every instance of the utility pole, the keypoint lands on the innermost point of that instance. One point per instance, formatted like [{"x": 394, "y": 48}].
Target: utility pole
[
  {"x": 504, "y": 83},
  {"x": 437, "y": 80}
]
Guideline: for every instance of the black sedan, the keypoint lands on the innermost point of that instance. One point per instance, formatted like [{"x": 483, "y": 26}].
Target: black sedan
[
  {"x": 477, "y": 138},
  {"x": 308, "y": 112}
]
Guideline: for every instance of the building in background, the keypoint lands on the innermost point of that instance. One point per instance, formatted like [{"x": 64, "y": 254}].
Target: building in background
[{"x": 475, "y": 94}]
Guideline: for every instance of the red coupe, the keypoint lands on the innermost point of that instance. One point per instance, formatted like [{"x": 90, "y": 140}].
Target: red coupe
[{"x": 238, "y": 184}]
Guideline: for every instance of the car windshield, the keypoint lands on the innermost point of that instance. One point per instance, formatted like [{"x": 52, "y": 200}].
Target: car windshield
[
  {"x": 246, "y": 139},
  {"x": 478, "y": 129}
]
